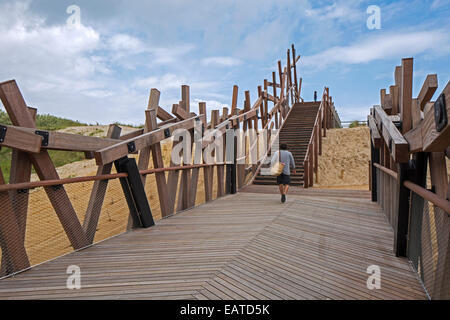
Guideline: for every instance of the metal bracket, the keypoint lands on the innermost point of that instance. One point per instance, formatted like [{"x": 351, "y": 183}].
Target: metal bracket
[
  {"x": 167, "y": 133},
  {"x": 398, "y": 124},
  {"x": 440, "y": 113},
  {"x": 43, "y": 134},
  {"x": 3, "y": 130},
  {"x": 131, "y": 147}
]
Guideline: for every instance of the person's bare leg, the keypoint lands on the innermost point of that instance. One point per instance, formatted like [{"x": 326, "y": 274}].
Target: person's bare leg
[
  {"x": 281, "y": 189},
  {"x": 286, "y": 189}
]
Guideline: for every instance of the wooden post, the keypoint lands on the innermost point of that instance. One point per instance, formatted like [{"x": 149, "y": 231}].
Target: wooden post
[
  {"x": 172, "y": 182},
  {"x": 234, "y": 101},
  {"x": 406, "y": 94},
  {"x": 306, "y": 173},
  {"x": 98, "y": 192},
  {"x": 135, "y": 192},
  {"x": 184, "y": 196},
  {"x": 297, "y": 97},
  {"x": 215, "y": 121},
  {"x": 375, "y": 158},
  {"x": 401, "y": 232}
]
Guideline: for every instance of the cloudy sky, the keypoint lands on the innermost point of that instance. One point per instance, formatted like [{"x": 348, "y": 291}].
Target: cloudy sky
[{"x": 103, "y": 70}]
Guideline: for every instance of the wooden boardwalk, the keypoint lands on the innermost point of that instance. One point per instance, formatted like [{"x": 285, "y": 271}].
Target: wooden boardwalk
[{"x": 248, "y": 246}]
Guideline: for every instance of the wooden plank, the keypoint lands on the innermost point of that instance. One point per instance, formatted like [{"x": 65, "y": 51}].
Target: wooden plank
[
  {"x": 180, "y": 112},
  {"x": 20, "y": 116},
  {"x": 20, "y": 140},
  {"x": 406, "y": 94},
  {"x": 120, "y": 150},
  {"x": 374, "y": 133},
  {"x": 429, "y": 87},
  {"x": 69, "y": 141},
  {"x": 397, "y": 144},
  {"x": 162, "y": 114},
  {"x": 434, "y": 141},
  {"x": 98, "y": 193}
]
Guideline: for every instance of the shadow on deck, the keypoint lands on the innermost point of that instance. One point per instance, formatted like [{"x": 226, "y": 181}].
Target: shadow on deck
[{"x": 248, "y": 246}]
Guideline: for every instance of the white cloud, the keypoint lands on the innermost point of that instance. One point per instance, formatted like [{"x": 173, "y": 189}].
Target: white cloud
[
  {"x": 382, "y": 47},
  {"x": 221, "y": 61}
]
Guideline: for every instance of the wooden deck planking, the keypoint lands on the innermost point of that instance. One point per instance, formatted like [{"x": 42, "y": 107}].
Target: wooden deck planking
[{"x": 247, "y": 246}]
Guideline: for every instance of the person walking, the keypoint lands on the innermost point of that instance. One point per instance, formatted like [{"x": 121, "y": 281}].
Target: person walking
[{"x": 284, "y": 179}]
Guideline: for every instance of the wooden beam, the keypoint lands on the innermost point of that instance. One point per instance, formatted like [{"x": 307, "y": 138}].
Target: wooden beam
[
  {"x": 374, "y": 133},
  {"x": 406, "y": 94},
  {"x": 20, "y": 116},
  {"x": 162, "y": 114},
  {"x": 98, "y": 193},
  {"x": 121, "y": 149},
  {"x": 69, "y": 141},
  {"x": 395, "y": 141},
  {"x": 429, "y": 87},
  {"x": 13, "y": 137},
  {"x": 180, "y": 112}
]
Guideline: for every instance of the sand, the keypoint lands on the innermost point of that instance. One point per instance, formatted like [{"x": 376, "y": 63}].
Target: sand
[{"x": 344, "y": 163}]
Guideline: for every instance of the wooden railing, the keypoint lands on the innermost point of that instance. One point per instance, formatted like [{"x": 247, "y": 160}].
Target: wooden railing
[
  {"x": 326, "y": 118},
  {"x": 176, "y": 185},
  {"x": 410, "y": 139}
]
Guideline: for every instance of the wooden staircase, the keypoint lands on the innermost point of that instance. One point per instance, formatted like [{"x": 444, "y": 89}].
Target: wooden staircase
[{"x": 296, "y": 133}]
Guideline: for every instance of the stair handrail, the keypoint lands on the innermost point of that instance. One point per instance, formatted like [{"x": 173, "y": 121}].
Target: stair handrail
[{"x": 308, "y": 164}]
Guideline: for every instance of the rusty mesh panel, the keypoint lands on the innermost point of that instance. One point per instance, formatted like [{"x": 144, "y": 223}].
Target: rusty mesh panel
[
  {"x": 433, "y": 262},
  {"x": 387, "y": 196},
  {"x": 31, "y": 231}
]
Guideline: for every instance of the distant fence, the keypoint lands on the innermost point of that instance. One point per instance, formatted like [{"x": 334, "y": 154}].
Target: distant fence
[
  {"x": 410, "y": 139},
  {"x": 51, "y": 217}
]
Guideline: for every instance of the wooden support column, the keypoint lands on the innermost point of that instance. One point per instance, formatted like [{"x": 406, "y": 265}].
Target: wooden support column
[
  {"x": 401, "y": 229},
  {"x": 406, "y": 94},
  {"x": 306, "y": 173},
  {"x": 198, "y": 156},
  {"x": 20, "y": 116},
  {"x": 172, "y": 182},
  {"x": 297, "y": 97},
  {"x": 185, "y": 174},
  {"x": 375, "y": 158},
  {"x": 215, "y": 120},
  {"x": 234, "y": 100},
  {"x": 98, "y": 192}
]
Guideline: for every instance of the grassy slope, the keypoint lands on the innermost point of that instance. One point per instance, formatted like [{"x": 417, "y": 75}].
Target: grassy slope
[{"x": 44, "y": 122}]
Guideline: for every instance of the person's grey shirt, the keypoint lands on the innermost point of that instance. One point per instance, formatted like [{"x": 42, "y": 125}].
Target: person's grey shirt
[{"x": 287, "y": 159}]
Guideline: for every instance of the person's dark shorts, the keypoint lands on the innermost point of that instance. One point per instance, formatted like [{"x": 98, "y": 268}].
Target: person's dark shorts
[{"x": 284, "y": 179}]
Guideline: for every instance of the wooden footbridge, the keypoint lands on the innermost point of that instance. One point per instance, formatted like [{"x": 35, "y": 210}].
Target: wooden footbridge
[{"x": 199, "y": 230}]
